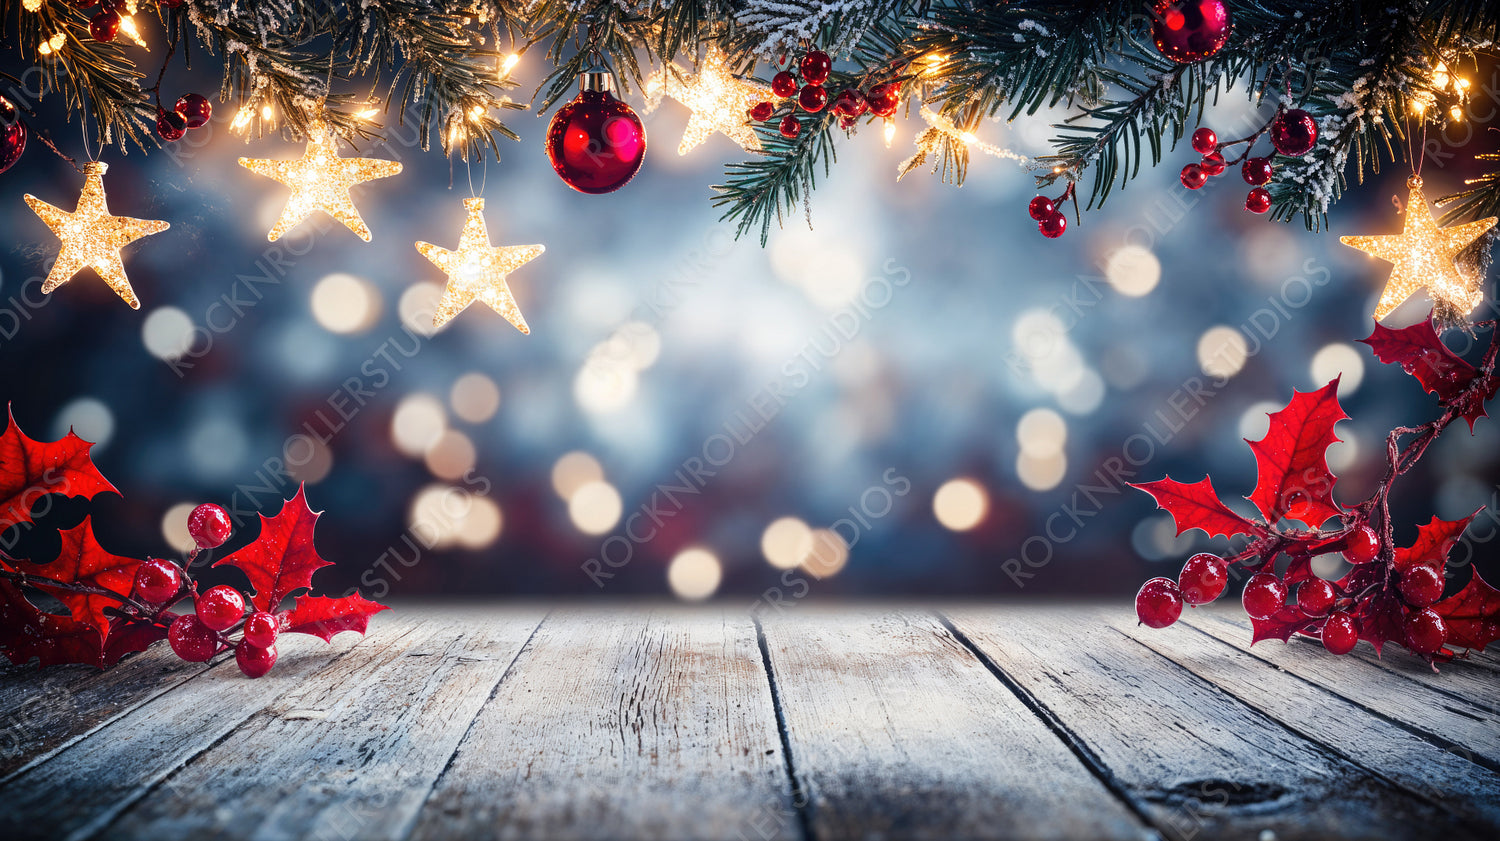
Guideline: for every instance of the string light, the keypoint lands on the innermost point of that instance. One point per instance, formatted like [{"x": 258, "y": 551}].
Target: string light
[
  {"x": 478, "y": 271},
  {"x": 127, "y": 26},
  {"x": 939, "y": 127},
  {"x": 31, "y": 5},
  {"x": 242, "y": 118},
  {"x": 53, "y": 44},
  {"x": 320, "y": 180},
  {"x": 509, "y": 64},
  {"x": 890, "y": 132},
  {"x": 720, "y": 102}
]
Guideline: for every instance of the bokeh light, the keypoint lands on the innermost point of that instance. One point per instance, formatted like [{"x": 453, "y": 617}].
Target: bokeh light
[
  {"x": 1222, "y": 351},
  {"x": 90, "y": 419},
  {"x": 174, "y": 527},
  {"x": 343, "y": 303},
  {"x": 419, "y": 422},
  {"x": 416, "y": 306},
  {"x": 474, "y": 397},
  {"x": 595, "y": 507},
  {"x": 1133, "y": 270},
  {"x": 574, "y": 470},
  {"x": 786, "y": 542},
  {"x": 451, "y": 456},
  {"x": 829, "y": 554},
  {"x": 1041, "y": 473},
  {"x": 1041, "y": 432},
  {"x": 442, "y": 516},
  {"x": 167, "y": 333},
  {"x": 1338, "y": 360},
  {"x": 694, "y": 574},
  {"x": 960, "y": 504}
]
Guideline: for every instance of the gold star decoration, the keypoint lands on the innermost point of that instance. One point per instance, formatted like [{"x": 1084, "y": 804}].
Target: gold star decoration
[
  {"x": 1426, "y": 255},
  {"x": 91, "y": 238},
  {"x": 720, "y": 102},
  {"x": 320, "y": 180},
  {"x": 477, "y": 270}
]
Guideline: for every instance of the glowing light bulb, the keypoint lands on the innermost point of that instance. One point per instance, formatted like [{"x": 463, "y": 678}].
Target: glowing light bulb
[
  {"x": 509, "y": 64},
  {"x": 890, "y": 132}
]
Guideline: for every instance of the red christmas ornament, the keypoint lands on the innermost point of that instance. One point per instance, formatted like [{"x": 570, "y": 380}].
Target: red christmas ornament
[
  {"x": 12, "y": 135},
  {"x": 1189, "y": 31},
  {"x": 1213, "y": 163},
  {"x": 104, "y": 26},
  {"x": 1259, "y": 200},
  {"x": 1053, "y": 226},
  {"x": 596, "y": 143},
  {"x": 1294, "y": 132},
  {"x": 1040, "y": 208},
  {"x": 1205, "y": 141},
  {"x": 884, "y": 99},
  {"x": 1256, "y": 171},
  {"x": 169, "y": 124},
  {"x": 790, "y": 127},
  {"x": 195, "y": 110},
  {"x": 762, "y": 111},
  {"x": 1193, "y": 176},
  {"x": 784, "y": 84},
  {"x": 815, "y": 67},
  {"x": 813, "y": 98},
  {"x": 850, "y": 104}
]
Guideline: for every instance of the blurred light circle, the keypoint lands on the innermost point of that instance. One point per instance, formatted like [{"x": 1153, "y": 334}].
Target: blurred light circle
[
  {"x": 1125, "y": 367},
  {"x": 1085, "y": 396},
  {"x": 636, "y": 344},
  {"x": 694, "y": 574},
  {"x": 1339, "y": 360},
  {"x": 1133, "y": 270},
  {"x": 574, "y": 470},
  {"x": 829, "y": 554},
  {"x": 1222, "y": 351},
  {"x": 174, "y": 527},
  {"x": 595, "y": 507},
  {"x": 1256, "y": 420},
  {"x": 474, "y": 397},
  {"x": 417, "y": 305},
  {"x": 1041, "y": 473},
  {"x": 960, "y": 504},
  {"x": 1331, "y": 566},
  {"x": 451, "y": 456},
  {"x": 481, "y": 526},
  {"x": 604, "y": 385},
  {"x": 343, "y": 303},
  {"x": 1037, "y": 334},
  {"x": 89, "y": 418},
  {"x": 1142, "y": 540},
  {"x": 436, "y": 513},
  {"x": 417, "y": 424},
  {"x": 307, "y": 459},
  {"x": 1343, "y": 455},
  {"x": 786, "y": 542},
  {"x": 1060, "y": 370},
  {"x": 1041, "y": 432},
  {"x": 167, "y": 333},
  {"x": 216, "y": 447}
]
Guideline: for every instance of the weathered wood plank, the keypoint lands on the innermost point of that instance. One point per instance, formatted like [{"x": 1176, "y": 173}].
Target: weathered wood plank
[
  {"x": 1445, "y": 716},
  {"x": 898, "y": 731},
  {"x": 353, "y": 750},
  {"x": 622, "y": 724},
  {"x": 1411, "y": 762},
  {"x": 83, "y": 786},
  {"x": 1199, "y": 761}
]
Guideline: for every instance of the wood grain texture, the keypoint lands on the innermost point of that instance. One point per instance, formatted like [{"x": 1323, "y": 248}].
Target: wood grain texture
[
  {"x": 1406, "y": 759},
  {"x": 623, "y": 724},
  {"x": 1199, "y": 761},
  {"x": 898, "y": 731},
  {"x": 352, "y": 751}
]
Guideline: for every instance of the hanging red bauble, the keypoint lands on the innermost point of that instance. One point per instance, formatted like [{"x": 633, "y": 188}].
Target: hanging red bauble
[
  {"x": 884, "y": 99},
  {"x": 1189, "y": 31},
  {"x": 815, "y": 67},
  {"x": 850, "y": 104},
  {"x": 1294, "y": 132},
  {"x": 170, "y": 124},
  {"x": 596, "y": 143},
  {"x": 784, "y": 84},
  {"x": 104, "y": 26},
  {"x": 812, "y": 98},
  {"x": 12, "y": 135},
  {"x": 762, "y": 111},
  {"x": 195, "y": 109}
]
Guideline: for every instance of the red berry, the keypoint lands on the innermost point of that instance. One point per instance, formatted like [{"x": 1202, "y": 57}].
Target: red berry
[
  {"x": 1362, "y": 545},
  {"x": 850, "y": 103},
  {"x": 170, "y": 125},
  {"x": 1256, "y": 171},
  {"x": 195, "y": 110},
  {"x": 790, "y": 126},
  {"x": 1193, "y": 176},
  {"x": 191, "y": 639},
  {"x": 813, "y": 98},
  {"x": 220, "y": 607},
  {"x": 209, "y": 526},
  {"x": 815, "y": 67},
  {"x": 1259, "y": 200},
  {"x": 1213, "y": 164},
  {"x": 884, "y": 98},
  {"x": 254, "y": 660},
  {"x": 1264, "y": 595},
  {"x": 1339, "y": 635},
  {"x": 762, "y": 111},
  {"x": 1315, "y": 597},
  {"x": 784, "y": 84},
  {"x": 1294, "y": 132},
  {"x": 1425, "y": 631},
  {"x": 157, "y": 580},
  {"x": 1421, "y": 586},
  {"x": 261, "y": 629},
  {"x": 1053, "y": 225},
  {"x": 1203, "y": 577},
  {"x": 1040, "y": 208},
  {"x": 1205, "y": 141},
  {"x": 1159, "y": 602},
  {"x": 104, "y": 26}
]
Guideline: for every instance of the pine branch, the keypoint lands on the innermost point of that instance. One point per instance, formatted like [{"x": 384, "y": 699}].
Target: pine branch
[
  {"x": 1480, "y": 200},
  {"x": 764, "y": 190}
]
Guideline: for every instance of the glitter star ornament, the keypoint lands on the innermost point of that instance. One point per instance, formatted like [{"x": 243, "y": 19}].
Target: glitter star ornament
[
  {"x": 320, "y": 180},
  {"x": 478, "y": 271},
  {"x": 91, "y": 238},
  {"x": 719, "y": 101},
  {"x": 1426, "y": 255}
]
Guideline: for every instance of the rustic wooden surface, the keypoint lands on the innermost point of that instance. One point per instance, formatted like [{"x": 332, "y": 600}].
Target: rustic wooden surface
[{"x": 812, "y": 722}]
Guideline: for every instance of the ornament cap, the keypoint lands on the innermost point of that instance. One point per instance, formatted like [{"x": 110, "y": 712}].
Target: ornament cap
[
  {"x": 1414, "y": 182},
  {"x": 95, "y": 168},
  {"x": 474, "y": 204},
  {"x": 596, "y": 78}
]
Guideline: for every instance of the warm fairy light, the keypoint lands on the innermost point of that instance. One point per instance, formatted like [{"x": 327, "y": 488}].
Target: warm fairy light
[
  {"x": 509, "y": 64},
  {"x": 829, "y": 554},
  {"x": 53, "y": 44},
  {"x": 939, "y": 127},
  {"x": 890, "y": 132},
  {"x": 934, "y": 62},
  {"x": 719, "y": 101},
  {"x": 1440, "y": 75},
  {"x": 242, "y": 118},
  {"x": 343, "y": 303},
  {"x": 786, "y": 542},
  {"x": 595, "y": 507},
  {"x": 960, "y": 504},
  {"x": 476, "y": 112},
  {"x": 267, "y": 112},
  {"x": 694, "y": 574},
  {"x": 478, "y": 271},
  {"x": 320, "y": 181},
  {"x": 1456, "y": 112},
  {"x": 127, "y": 26},
  {"x": 1461, "y": 83},
  {"x": 368, "y": 113},
  {"x": 31, "y": 5}
]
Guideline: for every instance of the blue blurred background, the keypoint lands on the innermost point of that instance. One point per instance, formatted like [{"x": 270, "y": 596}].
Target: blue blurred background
[{"x": 902, "y": 401}]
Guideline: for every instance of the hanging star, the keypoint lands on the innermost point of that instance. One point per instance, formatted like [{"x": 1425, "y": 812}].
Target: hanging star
[
  {"x": 320, "y": 180},
  {"x": 1426, "y": 255},
  {"x": 477, "y": 270},
  {"x": 720, "y": 102},
  {"x": 91, "y": 237}
]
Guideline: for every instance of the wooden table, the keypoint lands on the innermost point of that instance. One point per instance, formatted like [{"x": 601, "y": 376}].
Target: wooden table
[{"x": 660, "y": 722}]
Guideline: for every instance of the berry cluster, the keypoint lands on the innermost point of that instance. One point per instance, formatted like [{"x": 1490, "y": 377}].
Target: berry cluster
[
  {"x": 191, "y": 111},
  {"x": 810, "y": 96},
  {"x": 1293, "y": 133},
  {"x": 1049, "y": 220}
]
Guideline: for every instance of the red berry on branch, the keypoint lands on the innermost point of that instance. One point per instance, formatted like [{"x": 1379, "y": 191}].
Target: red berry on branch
[
  {"x": 812, "y": 98},
  {"x": 157, "y": 580},
  {"x": 104, "y": 26},
  {"x": 762, "y": 111},
  {"x": 884, "y": 98},
  {"x": 1339, "y": 634},
  {"x": 220, "y": 607},
  {"x": 1362, "y": 545},
  {"x": 1256, "y": 171},
  {"x": 790, "y": 127},
  {"x": 850, "y": 103},
  {"x": 1213, "y": 164},
  {"x": 1421, "y": 586},
  {"x": 209, "y": 526},
  {"x": 784, "y": 84},
  {"x": 1264, "y": 595},
  {"x": 815, "y": 67},
  {"x": 1193, "y": 176},
  {"x": 170, "y": 125},
  {"x": 1159, "y": 602},
  {"x": 1040, "y": 208},
  {"x": 195, "y": 110},
  {"x": 1294, "y": 132},
  {"x": 191, "y": 639},
  {"x": 1258, "y": 201},
  {"x": 1053, "y": 226},
  {"x": 1205, "y": 141},
  {"x": 261, "y": 629},
  {"x": 1425, "y": 631},
  {"x": 1315, "y": 597},
  {"x": 1203, "y": 578},
  {"x": 254, "y": 660}
]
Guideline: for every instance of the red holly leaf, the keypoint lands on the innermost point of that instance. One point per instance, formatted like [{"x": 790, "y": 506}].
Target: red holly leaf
[
  {"x": 83, "y": 561},
  {"x": 31, "y": 469},
  {"x": 1292, "y": 475},
  {"x": 1472, "y": 615},
  {"x": 1197, "y": 506},
  {"x": 1381, "y": 619},
  {"x": 1434, "y": 541},
  {"x": 282, "y": 559},
  {"x": 1281, "y": 625},
  {"x": 26, "y": 632},
  {"x": 323, "y": 617},
  {"x": 127, "y": 637},
  {"x": 1419, "y": 352}
]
